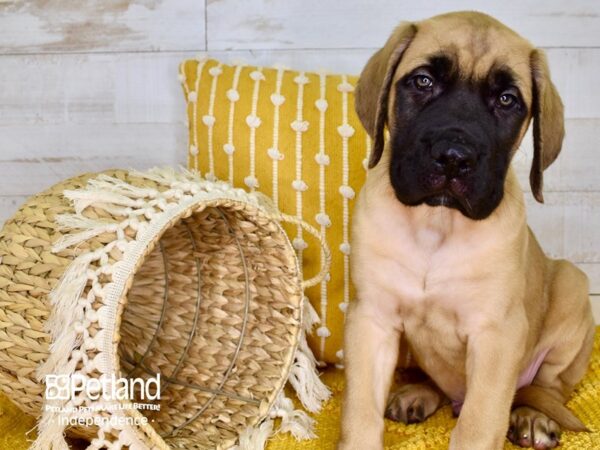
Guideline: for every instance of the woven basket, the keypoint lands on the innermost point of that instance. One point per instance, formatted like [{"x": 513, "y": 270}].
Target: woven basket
[{"x": 157, "y": 273}]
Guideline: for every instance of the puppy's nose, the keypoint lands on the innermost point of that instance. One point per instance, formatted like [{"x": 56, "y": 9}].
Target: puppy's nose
[{"x": 454, "y": 160}]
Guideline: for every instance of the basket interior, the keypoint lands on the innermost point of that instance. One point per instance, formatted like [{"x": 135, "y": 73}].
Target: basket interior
[{"x": 215, "y": 309}]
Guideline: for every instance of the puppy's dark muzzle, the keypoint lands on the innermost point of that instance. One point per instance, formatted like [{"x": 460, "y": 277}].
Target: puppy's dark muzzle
[{"x": 453, "y": 160}]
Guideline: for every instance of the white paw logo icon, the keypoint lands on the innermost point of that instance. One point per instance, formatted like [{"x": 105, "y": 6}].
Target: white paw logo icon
[{"x": 58, "y": 387}]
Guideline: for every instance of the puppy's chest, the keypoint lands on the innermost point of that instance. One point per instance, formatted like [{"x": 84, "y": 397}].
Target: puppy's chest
[
  {"x": 438, "y": 293},
  {"x": 441, "y": 300},
  {"x": 436, "y": 309},
  {"x": 436, "y": 274}
]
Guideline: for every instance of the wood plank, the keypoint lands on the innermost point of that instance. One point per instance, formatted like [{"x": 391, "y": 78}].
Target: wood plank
[
  {"x": 567, "y": 224},
  {"x": 593, "y": 272},
  {"x": 570, "y": 69},
  {"x": 49, "y": 153},
  {"x": 110, "y": 26},
  {"x": 91, "y": 88},
  {"x": 577, "y": 167},
  {"x": 9, "y": 205},
  {"x": 596, "y": 307},
  {"x": 264, "y": 24},
  {"x": 347, "y": 60}
]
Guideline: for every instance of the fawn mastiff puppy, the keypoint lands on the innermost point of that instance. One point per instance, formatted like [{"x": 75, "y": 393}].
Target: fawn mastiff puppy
[{"x": 449, "y": 277}]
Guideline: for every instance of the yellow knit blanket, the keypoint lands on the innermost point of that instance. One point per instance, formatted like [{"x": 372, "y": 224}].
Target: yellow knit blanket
[{"x": 433, "y": 434}]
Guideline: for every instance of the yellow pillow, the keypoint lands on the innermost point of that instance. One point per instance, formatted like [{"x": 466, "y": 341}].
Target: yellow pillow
[{"x": 295, "y": 137}]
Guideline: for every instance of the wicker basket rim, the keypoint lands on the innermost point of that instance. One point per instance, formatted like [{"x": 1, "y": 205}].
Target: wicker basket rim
[{"x": 186, "y": 210}]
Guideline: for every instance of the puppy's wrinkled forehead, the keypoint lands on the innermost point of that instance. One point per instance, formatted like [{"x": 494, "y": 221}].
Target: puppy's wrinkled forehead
[{"x": 474, "y": 45}]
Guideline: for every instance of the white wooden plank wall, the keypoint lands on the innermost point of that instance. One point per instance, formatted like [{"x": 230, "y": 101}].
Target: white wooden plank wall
[{"x": 86, "y": 86}]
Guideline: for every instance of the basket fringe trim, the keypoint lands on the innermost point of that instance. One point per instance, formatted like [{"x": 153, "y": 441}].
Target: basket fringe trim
[
  {"x": 304, "y": 377},
  {"x": 72, "y": 312}
]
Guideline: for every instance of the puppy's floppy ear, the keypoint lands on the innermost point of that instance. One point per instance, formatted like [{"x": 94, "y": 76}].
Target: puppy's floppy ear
[
  {"x": 548, "y": 122},
  {"x": 372, "y": 91}
]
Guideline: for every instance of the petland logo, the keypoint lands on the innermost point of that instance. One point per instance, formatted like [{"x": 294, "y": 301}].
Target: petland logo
[{"x": 68, "y": 387}]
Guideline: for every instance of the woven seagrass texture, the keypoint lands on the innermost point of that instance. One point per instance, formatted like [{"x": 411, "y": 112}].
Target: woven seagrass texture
[{"x": 214, "y": 306}]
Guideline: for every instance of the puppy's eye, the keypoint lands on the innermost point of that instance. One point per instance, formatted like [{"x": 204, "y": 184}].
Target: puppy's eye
[
  {"x": 506, "y": 100},
  {"x": 423, "y": 82}
]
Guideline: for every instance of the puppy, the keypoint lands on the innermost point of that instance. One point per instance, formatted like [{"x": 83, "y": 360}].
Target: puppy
[{"x": 449, "y": 277}]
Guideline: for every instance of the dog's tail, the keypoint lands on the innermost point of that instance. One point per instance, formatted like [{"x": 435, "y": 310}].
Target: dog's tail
[{"x": 538, "y": 398}]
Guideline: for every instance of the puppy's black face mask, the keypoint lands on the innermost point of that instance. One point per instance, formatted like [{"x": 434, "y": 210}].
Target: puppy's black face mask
[{"x": 452, "y": 138}]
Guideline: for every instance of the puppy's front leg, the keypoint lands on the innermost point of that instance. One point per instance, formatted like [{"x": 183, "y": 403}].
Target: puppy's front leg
[
  {"x": 371, "y": 344},
  {"x": 493, "y": 358}
]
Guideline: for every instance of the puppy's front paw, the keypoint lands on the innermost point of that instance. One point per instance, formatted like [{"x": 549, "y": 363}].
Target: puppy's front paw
[
  {"x": 412, "y": 403},
  {"x": 531, "y": 428}
]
